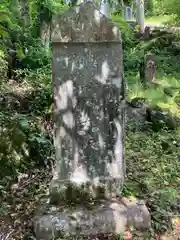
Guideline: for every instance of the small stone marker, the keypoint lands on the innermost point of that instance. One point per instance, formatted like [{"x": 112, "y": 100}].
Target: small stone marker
[
  {"x": 147, "y": 33},
  {"x": 148, "y": 69},
  {"x": 89, "y": 104}
]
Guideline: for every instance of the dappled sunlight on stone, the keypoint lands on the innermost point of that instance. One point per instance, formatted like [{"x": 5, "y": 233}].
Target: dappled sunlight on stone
[
  {"x": 118, "y": 147},
  {"x": 65, "y": 91},
  {"x": 79, "y": 176},
  {"x": 97, "y": 16},
  {"x": 72, "y": 26},
  {"x": 104, "y": 73},
  {"x": 97, "y": 89},
  {"x": 117, "y": 81},
  {"x": 116, "y": 31},
  {"x": 89, "y": 106},
  {"x": 68, "y": 119},
  {"x": 101, "y": 141},
  {"x": 66, "y": 61},
  {"x": 89, "y": 124},
  {"x": 77, "y": 9},
  {"x": 85, "y": 122}
]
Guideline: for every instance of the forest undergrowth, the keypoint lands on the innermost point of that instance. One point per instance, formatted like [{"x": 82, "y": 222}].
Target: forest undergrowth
[{"x": 27, "y": 152}]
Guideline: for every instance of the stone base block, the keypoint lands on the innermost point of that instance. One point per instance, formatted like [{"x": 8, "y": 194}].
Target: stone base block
[{"x": 107, "y": 217}]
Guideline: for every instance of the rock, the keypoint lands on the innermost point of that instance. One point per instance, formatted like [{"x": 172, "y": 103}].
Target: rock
[
  {"x": 138, "y": 102},
  {"x": 142, "y": 116},
  {"x": 136, "y": 114},
  {"x": 147, "y": 33},
  {"x": 104, "y": 218},
  {"x": 160, "y": 118}
]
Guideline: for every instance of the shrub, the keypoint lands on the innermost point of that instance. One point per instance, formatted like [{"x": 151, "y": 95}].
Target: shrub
[
  {"x": 3, "y": 65},
  {"x": 22, "y": 144}
]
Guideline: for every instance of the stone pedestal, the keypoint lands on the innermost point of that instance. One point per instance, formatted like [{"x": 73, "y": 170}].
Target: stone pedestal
[
  {"x": 81, "y": 222},
  {"x": 88, "y": 88}
]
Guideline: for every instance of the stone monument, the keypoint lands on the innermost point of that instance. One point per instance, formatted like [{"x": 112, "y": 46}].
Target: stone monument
[
  {"x": 148, "y": 70},
  {"x": 88, "y": 88}
]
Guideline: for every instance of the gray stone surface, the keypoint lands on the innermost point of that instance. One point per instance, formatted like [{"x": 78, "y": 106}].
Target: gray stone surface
[
  {"x": 84, "y": 23},
  {"x": 148, "y": 70},
  {"x": 140, "y": 115},
  {"x": 88, "y": 91},
  {"x": 136, "y": 114},
  {"x": 104, "y": 218}
]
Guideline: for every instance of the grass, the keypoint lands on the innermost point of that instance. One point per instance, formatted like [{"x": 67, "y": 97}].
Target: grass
[
  {"x": 156, "y": 96},
  {"x": 152, "y": 158},
  {"x": 152, "y": 161},
  {"x": 167, "y": 75},
  {"x": 153, "y": 173},
  {"x": 159, "y": 20}
]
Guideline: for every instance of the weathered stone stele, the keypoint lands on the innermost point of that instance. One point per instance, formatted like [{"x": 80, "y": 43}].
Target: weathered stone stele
[
  {"x": 88, "y": 90},
  {"x": 88, "y": 96}
]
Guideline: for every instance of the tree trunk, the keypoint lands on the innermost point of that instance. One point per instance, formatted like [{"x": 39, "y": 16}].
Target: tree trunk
[
  {"x": 140, "y": 14},
  {"x": 25, "y": 11},
  {"x": 122, "y": 5}
]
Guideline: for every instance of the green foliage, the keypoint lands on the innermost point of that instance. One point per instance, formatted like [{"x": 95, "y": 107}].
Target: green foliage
[
  {"x": 164, "y": 7},
  {"x": 24, "y": 140},
  {"x": 172, "y": 7},
  {"x": 22, "y": 144},
  {"x": 148, "y": 7},
  {"x": 14, "y": 34},
  {"x": 157, "y": 7},
  {"x": 153, "y": 172},
  {"x": 130, "y": 57},
  {"x": 3, "y": 65},
  {"x": 37, "y": 56},
  {"x": 44, "y": 11},
  {"x": 125, "y": 30},
  {"x": 152, "y": 158}
]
